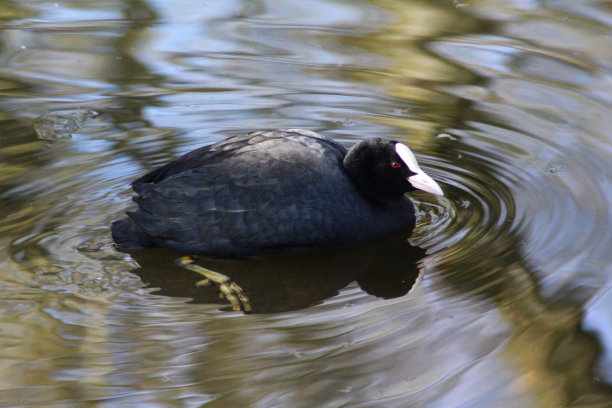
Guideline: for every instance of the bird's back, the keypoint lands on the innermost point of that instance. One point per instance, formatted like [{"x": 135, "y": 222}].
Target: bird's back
[{"x": 254, "y": 149}]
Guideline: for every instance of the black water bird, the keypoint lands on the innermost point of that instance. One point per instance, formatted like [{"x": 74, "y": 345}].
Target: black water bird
[
  {"x": 269, "y": 192},
  {"x": 274, "y": 192}
]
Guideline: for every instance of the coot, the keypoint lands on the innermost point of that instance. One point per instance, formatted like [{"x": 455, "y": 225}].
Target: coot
[{"x": 271, "y": 192}]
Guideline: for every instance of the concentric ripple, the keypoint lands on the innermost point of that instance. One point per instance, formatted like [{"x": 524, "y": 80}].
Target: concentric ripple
[{"x": 529, "y": 200}]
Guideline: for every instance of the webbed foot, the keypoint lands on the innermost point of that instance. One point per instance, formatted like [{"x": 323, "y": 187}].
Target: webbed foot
[{"x": 228, "y": 288}]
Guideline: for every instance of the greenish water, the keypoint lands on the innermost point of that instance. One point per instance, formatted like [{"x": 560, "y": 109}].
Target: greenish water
[{"x": 501, "y": 297}]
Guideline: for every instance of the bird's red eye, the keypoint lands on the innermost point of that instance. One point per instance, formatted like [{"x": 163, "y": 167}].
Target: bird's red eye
[{"x": 395, "y": 165}]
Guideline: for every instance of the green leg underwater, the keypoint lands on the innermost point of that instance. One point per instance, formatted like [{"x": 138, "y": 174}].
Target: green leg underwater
[{"x": 229, "y": 289}]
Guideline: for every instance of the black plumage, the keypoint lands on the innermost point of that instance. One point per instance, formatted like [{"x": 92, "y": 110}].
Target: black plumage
[{"x": 271, "y": 192}]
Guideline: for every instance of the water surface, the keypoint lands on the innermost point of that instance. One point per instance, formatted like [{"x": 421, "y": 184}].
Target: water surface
[{"x": 500, "y": 297}]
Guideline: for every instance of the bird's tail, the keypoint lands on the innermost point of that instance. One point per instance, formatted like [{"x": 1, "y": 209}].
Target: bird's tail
[{"x": 128, "y": 235}]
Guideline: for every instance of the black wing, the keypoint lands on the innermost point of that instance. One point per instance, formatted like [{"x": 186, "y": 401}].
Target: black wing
[{"x": 211, "y": 210}]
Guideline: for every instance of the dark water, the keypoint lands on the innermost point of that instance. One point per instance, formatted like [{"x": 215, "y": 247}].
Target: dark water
[{"x": 507, "y": 103}]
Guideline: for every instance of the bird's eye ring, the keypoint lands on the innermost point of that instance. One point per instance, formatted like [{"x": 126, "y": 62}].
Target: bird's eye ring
[{"x": 395, "y": 165}]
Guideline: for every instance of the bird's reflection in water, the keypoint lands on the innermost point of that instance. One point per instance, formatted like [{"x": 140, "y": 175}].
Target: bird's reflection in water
[{"x": 386, "y": 267}]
